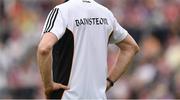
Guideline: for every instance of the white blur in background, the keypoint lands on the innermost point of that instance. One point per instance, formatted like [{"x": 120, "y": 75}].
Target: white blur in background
[{"x": 153, "y": 74}]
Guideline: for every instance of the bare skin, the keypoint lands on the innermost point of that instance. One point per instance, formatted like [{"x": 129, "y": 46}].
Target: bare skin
[
  {"x": 44, "y": 58},
  {"x": 44, "y": 55},
  {"x": 128, "y": 49}
]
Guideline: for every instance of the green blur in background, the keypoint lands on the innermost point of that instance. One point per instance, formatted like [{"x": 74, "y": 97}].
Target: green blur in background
[{"x": 153, "y": 74}]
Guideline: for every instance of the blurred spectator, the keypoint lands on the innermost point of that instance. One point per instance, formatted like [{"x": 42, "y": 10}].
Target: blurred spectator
[
  {"x": 24, "y": 80},
  {"x": 154, "y": 74}
]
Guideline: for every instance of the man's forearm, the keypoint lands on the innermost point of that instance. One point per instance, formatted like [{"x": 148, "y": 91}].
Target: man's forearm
[
  {"x": 128, "y": 49},
  {"x": 123, "y": 61},
  {"x": 45, "y": 62},
  {"x": 44, "y": 57}
]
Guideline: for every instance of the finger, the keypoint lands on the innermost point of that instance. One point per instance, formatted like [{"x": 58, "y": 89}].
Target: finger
[
  {"x": 60, "y": 86},
  {"x": 64, "y": 87}
]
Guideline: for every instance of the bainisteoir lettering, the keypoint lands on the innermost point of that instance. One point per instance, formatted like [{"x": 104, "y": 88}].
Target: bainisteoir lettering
[{"x": 91, "y": 21}]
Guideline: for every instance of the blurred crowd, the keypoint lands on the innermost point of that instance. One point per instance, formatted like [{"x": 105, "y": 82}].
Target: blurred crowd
[{"x": 154, "y": 24}]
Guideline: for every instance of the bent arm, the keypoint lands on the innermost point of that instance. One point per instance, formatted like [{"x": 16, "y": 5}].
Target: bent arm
[
  {"x": 128, "y": 49},
  {"x": 44, "y": 57}
]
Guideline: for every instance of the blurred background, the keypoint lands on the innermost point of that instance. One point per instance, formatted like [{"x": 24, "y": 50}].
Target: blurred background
[{"x": 154, "y": 24}]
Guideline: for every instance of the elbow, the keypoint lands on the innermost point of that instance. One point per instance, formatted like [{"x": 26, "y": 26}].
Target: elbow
[
  {"x": 136, "y": 48},
  {"x": 43, "y": 50},
  {"x": 129, "y": 45},
  {"x": 131, "y": 48}
]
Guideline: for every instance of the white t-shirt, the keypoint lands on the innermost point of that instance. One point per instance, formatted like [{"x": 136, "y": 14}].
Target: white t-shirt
[{"x": 84, "y": 29}]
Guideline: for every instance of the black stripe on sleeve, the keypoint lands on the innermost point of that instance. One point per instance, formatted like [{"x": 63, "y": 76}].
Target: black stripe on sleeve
[
  {"x": 49, "y": 18},
  {"x": 53, "y": 20}
]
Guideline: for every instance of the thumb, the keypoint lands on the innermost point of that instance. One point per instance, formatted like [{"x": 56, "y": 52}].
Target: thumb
[
  {"x": 60, "y": 86},
  {"x": 64, "y": 87}
]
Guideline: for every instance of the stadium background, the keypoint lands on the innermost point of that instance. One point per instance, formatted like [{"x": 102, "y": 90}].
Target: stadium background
[{"x": 155, "y": 25}]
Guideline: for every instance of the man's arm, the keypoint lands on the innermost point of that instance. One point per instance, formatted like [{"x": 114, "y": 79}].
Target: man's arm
[
  {"x": 128, "y": 49},
  {"x": 44, "y": 57}
]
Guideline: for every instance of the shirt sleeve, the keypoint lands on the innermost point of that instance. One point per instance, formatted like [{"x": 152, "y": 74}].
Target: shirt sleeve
[
  {"x": 118, "y": 34},
  {"x": 54, "y": 23}
]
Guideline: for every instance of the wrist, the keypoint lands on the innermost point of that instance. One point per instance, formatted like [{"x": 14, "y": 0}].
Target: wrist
[{"x": 48, "y": 86}]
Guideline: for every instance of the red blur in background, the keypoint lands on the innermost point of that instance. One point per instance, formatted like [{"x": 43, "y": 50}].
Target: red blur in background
[{"x": 153, "y": 74}]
